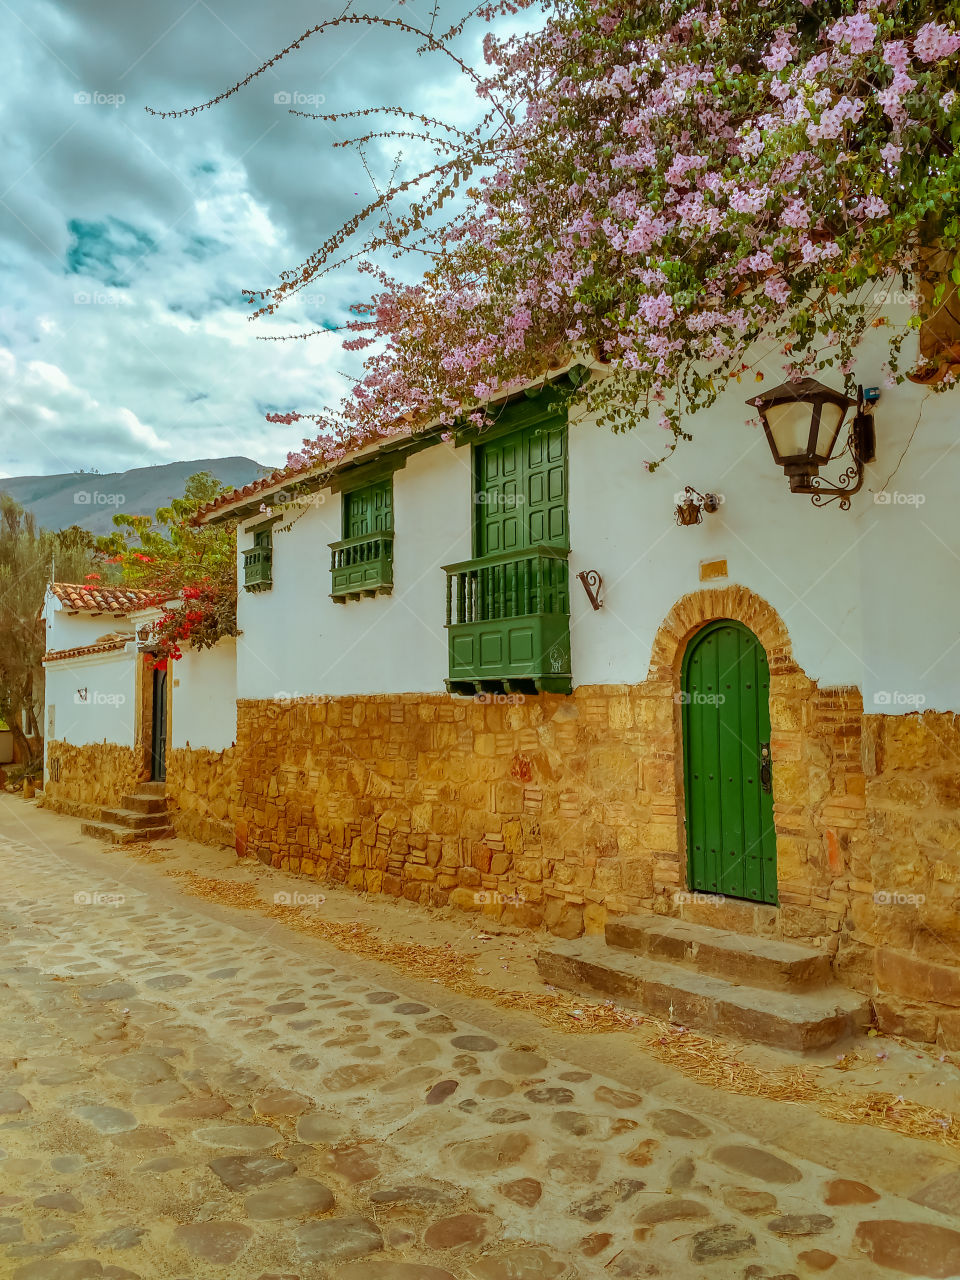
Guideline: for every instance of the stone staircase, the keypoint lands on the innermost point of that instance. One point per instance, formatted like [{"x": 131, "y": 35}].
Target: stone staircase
[
  {"x": 757, "y": 989},
  {"x": 143, "y": 816}
]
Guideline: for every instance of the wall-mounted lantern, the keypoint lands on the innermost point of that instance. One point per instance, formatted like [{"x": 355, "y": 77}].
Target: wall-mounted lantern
[
  {"x": 693, "y": 504},
  {"x": 591, "y": 582},
  {"x": 802, "y": 421}
]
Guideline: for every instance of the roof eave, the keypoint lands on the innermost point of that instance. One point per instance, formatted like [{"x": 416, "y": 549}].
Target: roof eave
[{"x": 252, "y": 504}]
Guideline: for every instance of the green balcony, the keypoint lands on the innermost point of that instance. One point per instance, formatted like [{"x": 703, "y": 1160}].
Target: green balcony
[
  {"x": 508, "y": 623},
  {"x": 361, "y": 567},
  {"x": 257, "y": 569}
]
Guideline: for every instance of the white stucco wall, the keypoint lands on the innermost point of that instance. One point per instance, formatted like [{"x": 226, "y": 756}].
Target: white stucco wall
[
  {"x": 869, "y": 596},
  {"x": 108, "y": 713},
  {"x": 296, "y": 641},
  {"x": 204, "y": 712},
  {"x": 70, "y": 630}
]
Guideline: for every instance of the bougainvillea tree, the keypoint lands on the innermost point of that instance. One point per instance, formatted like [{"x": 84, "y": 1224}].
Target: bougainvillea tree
[
  {"x": 656, "y": 187},
  {"x": 191, "y": 570}
]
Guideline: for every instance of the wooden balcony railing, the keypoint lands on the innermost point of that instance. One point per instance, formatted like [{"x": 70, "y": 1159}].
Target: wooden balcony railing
[
  {"x": 258, "y": 569},
  {"x": 508, "y": 621},
  {"x": 361, "y": 566}
]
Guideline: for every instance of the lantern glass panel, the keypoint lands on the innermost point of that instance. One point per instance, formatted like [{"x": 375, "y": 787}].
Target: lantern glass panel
[
  {"x": 789, "y": 423},
  {"x": 831, "y": 417}
]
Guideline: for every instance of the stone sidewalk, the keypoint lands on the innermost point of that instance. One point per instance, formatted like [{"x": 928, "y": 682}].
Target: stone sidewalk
[{"x": 190, "y": 1091}]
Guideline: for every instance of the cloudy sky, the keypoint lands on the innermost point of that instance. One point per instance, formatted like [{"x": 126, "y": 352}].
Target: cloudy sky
[{"x": 125, "y": 240}]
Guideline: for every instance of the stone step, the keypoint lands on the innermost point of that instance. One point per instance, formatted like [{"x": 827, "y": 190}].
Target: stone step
[
  {"x": 800, "y": 1021},
  {"x": 151, "y": 788},
  {"x": 145, "y": 803},
  {"x": 738, "y": 957},
  {"x": 113, "y": 833},
  {"x": 136, "y": 821}
]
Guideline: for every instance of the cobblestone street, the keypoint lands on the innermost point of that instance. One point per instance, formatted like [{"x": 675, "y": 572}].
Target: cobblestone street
[{"x": 189, "y": 1092}]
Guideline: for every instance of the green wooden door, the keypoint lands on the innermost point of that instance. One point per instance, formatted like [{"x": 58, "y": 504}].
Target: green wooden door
[
  {"x": 731, "y": 843},
  {"x": 521, "y": 489}
]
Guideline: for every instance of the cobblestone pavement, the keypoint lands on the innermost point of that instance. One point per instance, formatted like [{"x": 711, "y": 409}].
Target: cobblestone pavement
[{"x": 182, "y": 1095}]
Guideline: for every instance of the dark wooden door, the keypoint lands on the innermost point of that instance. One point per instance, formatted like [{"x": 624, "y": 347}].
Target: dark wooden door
[
  {"x": 158, "y": 744},
  {"x": 731, "y": 842}
]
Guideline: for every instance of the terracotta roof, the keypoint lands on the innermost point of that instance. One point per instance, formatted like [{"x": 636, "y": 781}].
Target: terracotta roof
[
  {"x": 90, "y": 598},
  {"x": 248, "y": 491},
  {"x": 108, "y": 646}
]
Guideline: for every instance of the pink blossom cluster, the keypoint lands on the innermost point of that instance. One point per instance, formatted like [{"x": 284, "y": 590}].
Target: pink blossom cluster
[{"x": 679, "y": 180}]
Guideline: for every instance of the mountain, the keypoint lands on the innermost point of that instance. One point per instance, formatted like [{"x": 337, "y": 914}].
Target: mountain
[{"x": 91, "y": 500}]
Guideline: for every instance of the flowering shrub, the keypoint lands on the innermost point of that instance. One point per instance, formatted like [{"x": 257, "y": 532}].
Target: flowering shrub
[
  {"x": 658, "y": 186},
  {"x": 191, "y": 571}
]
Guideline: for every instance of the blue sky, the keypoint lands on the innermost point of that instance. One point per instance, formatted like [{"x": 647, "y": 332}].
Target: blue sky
[{"x": 125, "y": 240}]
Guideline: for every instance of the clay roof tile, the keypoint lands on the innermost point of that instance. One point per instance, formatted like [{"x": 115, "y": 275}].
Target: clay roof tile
[{"x": 91, "y": 598}]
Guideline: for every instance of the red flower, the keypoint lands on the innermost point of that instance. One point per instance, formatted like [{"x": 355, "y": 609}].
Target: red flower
[
  {"x": 92, "y": 577},
  {"x": 137, "y": 555}
]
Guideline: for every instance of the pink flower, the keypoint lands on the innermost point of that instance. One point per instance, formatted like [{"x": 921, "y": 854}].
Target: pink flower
[
  {"x": 873, "y": 207},
  {"x": 934, "y": 41},
  {"x": 857, "y": 31},
  {"x": 780, "y": 53}
]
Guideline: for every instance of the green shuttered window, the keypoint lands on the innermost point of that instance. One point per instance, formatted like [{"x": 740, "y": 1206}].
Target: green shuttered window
[{"x": 362, "y": 561}]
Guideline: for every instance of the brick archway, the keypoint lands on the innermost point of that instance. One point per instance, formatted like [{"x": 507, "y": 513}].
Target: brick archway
[
  {"x": 695, "y": 610},
  {"x": 789, "y": 689}
]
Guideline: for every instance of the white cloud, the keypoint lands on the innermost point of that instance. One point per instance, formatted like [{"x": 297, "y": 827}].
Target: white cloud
[{"x": 144, "y": 351}]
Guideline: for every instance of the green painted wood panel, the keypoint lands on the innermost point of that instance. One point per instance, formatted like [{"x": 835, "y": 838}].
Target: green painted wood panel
[
  {"x": 731, "y": 842},
  {"x": 368, "y": 510},
  {"x": 521, "y": 489}
]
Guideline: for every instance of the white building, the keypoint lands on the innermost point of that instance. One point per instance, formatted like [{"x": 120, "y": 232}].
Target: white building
[{"x": 492, "y": 669}]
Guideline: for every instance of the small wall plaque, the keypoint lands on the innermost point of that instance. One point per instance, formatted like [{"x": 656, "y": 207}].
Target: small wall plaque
[{"x": 712, "y": 569}]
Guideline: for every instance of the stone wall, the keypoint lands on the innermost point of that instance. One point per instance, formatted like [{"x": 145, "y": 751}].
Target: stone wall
[
  {"x": 557, "y": 811},
  {"x": 91, "y": 777},
  {"x": 202, "y": 794},
  {"x": 548, "y": 811},
  {"x": 905, "y": 874}
]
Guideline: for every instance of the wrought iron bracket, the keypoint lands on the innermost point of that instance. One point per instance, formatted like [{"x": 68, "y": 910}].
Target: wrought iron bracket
[
  {"x": 861, "y": 446},
  {"x": 690, "y": 510},
  {"x": 592, "y": 583}
]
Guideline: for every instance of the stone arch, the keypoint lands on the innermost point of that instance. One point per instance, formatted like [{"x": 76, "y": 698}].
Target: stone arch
[
  {"x": 789, "y": 688},
  {"x": 695, "y": 610}
]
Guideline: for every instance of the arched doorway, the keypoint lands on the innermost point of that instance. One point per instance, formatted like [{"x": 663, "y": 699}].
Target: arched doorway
[{"x": 725, "y": 700}]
